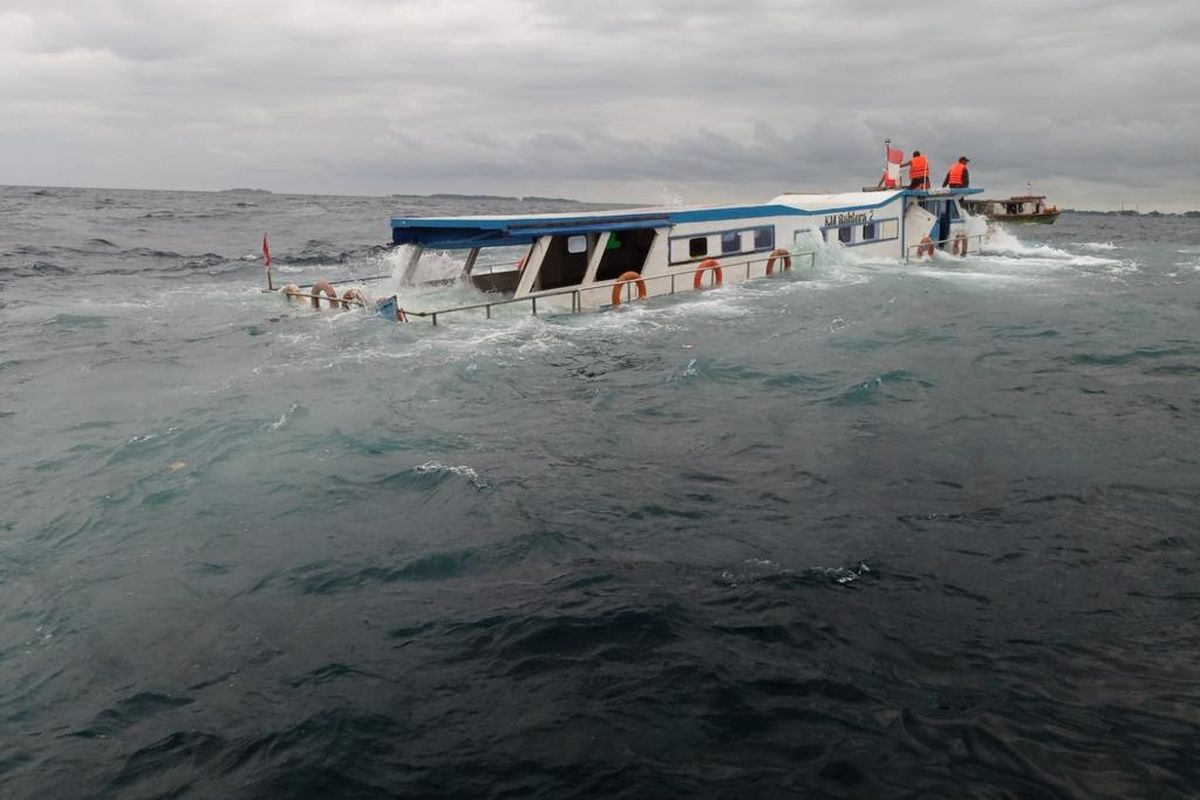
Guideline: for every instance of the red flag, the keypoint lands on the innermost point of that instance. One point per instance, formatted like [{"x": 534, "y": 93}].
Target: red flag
[
  {"x": 895, "y": 156},
  {"x": 266, "y": 252}
]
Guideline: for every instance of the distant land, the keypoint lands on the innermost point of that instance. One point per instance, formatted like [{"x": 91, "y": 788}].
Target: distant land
[
  {"x": 1128, "y": 212},
  {"x": 528, "y": 198}
]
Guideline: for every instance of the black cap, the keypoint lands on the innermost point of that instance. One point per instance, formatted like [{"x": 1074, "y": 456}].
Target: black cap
[{"x": 963, "y": 158}]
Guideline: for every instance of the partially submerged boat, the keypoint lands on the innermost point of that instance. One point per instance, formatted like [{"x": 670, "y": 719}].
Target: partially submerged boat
[
  {"x": 583, "y": 261},
  {"x": 1019, "y": 208}
]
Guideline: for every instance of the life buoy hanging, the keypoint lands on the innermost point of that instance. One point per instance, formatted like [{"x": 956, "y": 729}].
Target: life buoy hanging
[
  {"x": 323, "y": 286},
  {"x": 960, "y": 244},
  {"x": 706, "y": 264},
  {"x": 779, "y": 253},
  {"x": 625, "y": 278},
  {"x": 925, "y": 248},
  {"x": 352, "y": 296}
]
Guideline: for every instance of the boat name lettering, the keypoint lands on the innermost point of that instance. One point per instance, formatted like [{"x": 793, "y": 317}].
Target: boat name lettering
[{"x": 849, "y": 218}]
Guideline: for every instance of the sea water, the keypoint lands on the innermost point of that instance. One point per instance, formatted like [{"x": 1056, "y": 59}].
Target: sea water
[{"x": 866, "y": 529}]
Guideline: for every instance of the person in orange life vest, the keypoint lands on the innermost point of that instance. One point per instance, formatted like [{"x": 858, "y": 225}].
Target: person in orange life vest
[
  {"x": 918, "y": 171},
  {"x": 957, "y": 177}
]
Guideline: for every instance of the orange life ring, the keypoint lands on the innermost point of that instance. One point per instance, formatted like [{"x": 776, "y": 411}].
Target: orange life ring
[
  {"x": 324, "y": 286},
  {"x": 625, "y": 278},
  {"x": 925, "y": 247},
  {"x": 352, "y": 296},
  {"x": 292, "y": 292},
  {"x": 960, "y": 244},
  {"x": 779, "y": 253},
  {"x": 708, "y": 263}
]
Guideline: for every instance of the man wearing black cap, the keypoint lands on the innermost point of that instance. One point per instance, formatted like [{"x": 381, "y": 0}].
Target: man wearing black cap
[{"x": 957, "y": 176}]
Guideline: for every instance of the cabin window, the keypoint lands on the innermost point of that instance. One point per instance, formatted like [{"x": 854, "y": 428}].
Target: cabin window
[
  {"x": 576, "y": 244},
  {"x": 845, "y": 234},
  {"x": 631, "y": 255},
  {"x": 731, "y": 242},
  {"x": 698, "y": 247},
  {"x": 561, "y": 266},
  {"x": 868, "y": 232},
  {"x": 764, "y": 238}
]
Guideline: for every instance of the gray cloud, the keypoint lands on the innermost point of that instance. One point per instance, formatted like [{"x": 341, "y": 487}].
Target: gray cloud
[{"x": 1094, "y": 102}]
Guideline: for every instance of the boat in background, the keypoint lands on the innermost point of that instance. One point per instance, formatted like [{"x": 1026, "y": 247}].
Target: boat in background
[{"x": 1019, "y": 208}]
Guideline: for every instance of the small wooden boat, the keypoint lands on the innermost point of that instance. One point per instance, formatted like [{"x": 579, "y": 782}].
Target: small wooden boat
[{"x": 1019, "y": 208}]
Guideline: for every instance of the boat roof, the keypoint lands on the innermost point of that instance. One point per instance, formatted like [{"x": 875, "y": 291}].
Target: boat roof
[
  {"x": 496, "y": 231},
  {"x": 1014, "y": 199}
]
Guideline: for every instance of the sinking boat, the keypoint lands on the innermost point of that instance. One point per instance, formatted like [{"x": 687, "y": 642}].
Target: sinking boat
[
  {"x": 583, "y": 261},
  {"x": 1019, "y": 208}
]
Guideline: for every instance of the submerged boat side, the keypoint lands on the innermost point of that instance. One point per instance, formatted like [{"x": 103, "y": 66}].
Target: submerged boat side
[{"x": 574, "y": 262}]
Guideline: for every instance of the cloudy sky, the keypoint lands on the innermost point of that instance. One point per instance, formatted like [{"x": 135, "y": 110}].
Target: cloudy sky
[{"x": 1094, "y": 102}]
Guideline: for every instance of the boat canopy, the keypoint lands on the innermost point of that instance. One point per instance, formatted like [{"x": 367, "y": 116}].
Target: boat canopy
[{"x": 468, "y": 232}]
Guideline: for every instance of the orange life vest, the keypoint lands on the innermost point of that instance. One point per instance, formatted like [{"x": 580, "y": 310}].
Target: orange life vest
[
  {"x": 956, "y": 173},
  {"x": 918, "y": 168}
]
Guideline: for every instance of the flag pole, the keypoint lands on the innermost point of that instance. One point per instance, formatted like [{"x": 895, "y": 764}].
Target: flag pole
[{"x": 267, "y": 259}]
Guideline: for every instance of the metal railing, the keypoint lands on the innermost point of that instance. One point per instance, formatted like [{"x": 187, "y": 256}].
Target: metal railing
[
  {"x": 908, "y": 251},
  {"x": 752, "y": 268}
]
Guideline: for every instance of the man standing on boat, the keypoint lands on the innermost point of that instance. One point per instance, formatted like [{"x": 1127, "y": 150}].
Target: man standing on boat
[
  {"x": 918, "y": 171},
  {"x": 957, "y": 177}
]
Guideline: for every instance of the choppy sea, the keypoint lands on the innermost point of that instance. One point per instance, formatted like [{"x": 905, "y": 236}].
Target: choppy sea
[{"x": 865, "y": 530}]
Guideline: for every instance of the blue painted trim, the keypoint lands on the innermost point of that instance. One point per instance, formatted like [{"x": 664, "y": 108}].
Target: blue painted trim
[
  {"x": 876, "y": 240},
  {"x": 719, "y": 233}
]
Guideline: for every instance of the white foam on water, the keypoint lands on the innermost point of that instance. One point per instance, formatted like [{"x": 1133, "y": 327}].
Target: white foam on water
[
  {"x": 435, "y": 468},
  {"x": 1002, "y": 242}
]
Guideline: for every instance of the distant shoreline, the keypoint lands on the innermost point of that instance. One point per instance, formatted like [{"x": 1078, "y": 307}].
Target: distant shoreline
[{"x": 1193, "y": 214}]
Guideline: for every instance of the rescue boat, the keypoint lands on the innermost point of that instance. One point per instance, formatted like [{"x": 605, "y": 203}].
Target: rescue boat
[{"x": 1019, "y": 208}]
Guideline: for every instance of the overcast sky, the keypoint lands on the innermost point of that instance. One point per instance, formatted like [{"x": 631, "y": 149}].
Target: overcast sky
[{"x": 1095, "y": 103}]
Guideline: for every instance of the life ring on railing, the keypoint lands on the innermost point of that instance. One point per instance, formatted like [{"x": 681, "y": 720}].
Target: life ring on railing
[
  {"x": 960, "y": 244},
  {"x": 353, "y": 296},
  {"x": 925, "y": 248},
  {"x": 708, "y": 263},
  {"x": 779, "y": 253},
  {"x": 323, "y": 286},
  {"x": 292, "y": 292},
  {"x": 625, "y": 278}
]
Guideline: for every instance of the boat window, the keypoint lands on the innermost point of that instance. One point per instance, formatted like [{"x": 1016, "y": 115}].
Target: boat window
[
  {"x": 560, "y": 265},
  {"x": 576, "y": 244},
  {"x": 630, "y": 255},
  {"x": 698, "y": 247},
  {"x": 845, "y": 234},
  {"x": 731, "y": 242},
  {"x": 868, "y": 232},
  {"x": 764, "y": 238}
]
